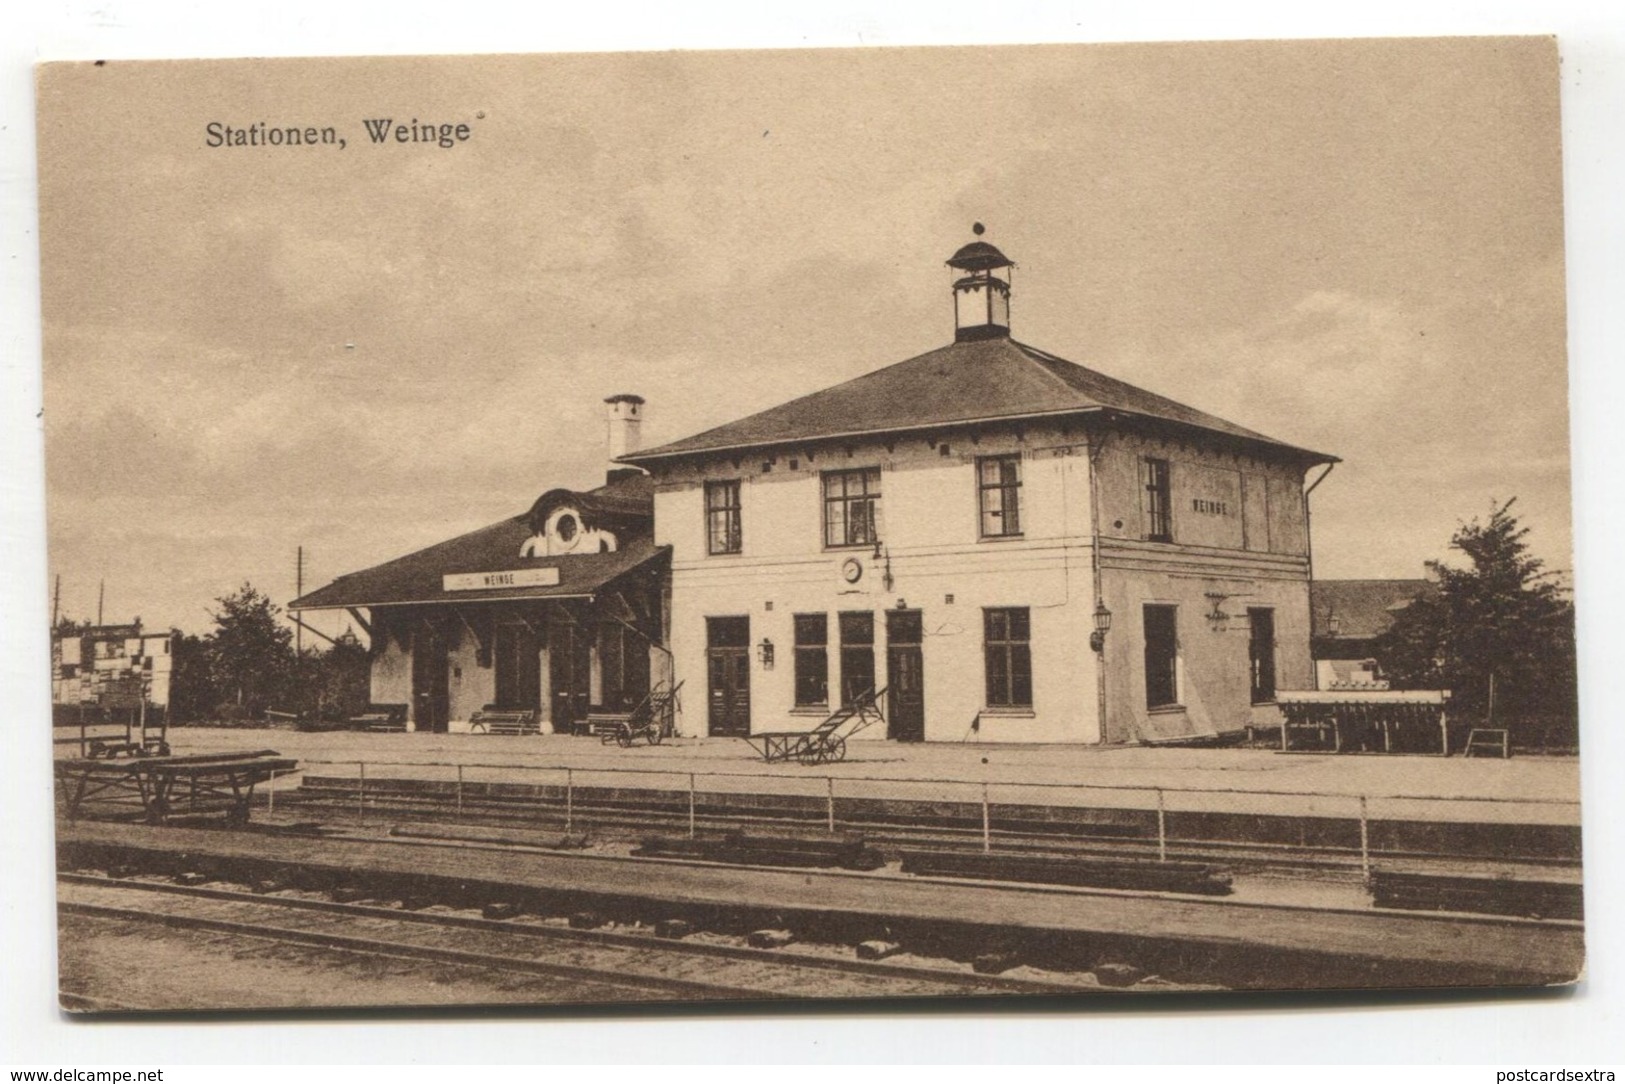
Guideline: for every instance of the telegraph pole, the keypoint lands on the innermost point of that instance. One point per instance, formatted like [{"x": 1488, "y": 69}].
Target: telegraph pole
[
  {"x": 56, "y": 601},
  {"x": 298, "y": 590},
  {"x": 101, "y": 593}
]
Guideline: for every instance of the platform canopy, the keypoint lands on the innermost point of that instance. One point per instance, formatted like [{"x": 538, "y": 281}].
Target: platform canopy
[{"x": 482, "y": 566}]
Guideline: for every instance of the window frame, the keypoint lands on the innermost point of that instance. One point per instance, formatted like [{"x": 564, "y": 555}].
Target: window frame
[
  {"x": 869, "y": 498},
  {"x": 1261, "y": 663},
  {"x": 1158, "y": 495},
  {"x": 1174, "y": 701},
  {"x": 810, "y": 654},
  {"x": 852, "y": 647},
  {"x": 733, "y": 518},
  {"x": 1009, "y": 496},
  {"x": 1007, "y": 658}
]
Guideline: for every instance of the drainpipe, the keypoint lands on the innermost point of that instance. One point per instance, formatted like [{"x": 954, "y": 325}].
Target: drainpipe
[
  {"x": 1309, "y": 553},
  {"x": 1095, "y": 448}
]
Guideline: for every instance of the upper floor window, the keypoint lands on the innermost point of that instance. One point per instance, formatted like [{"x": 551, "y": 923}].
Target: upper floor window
[
  {"x": 1158, "y": 508},
  {"x": 999, "y": 486},
  {"x": 852, "y": 507},
  {"x": 723, "y": 530}
]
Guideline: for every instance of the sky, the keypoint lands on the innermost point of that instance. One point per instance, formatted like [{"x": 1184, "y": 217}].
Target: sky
[{"x": 1355, "y": 247}]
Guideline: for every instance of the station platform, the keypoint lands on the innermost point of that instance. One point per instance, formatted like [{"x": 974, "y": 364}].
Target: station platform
[{"x": 1528, "y": 790}]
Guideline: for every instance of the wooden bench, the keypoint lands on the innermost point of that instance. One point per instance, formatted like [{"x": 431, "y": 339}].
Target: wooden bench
[
  {"x": 1387, "y": 721},
  {"x": 381, "y": 719},
  {"x": 1489, "y": 741},
  {"x": 497, "y": 721}
]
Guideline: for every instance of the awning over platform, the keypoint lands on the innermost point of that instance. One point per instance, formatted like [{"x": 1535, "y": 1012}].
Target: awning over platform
[{"x": 482, "y": 566}]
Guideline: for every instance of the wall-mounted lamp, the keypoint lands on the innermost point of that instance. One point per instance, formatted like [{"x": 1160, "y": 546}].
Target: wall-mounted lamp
[
  {"x": 764, "y": 652},
  {"x": 1217, "y": 619},
  {"x": 1103, "y": 625}
]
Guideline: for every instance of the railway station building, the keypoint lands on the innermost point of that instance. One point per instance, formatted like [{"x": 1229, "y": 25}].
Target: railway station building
[
  {"x": 1009, "y": 546},
  {"x": 1016, "y": 548},
  {"x": 557, "y": 610}
]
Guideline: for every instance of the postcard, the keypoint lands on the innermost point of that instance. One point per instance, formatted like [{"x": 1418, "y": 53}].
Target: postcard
[{"x": 1062, "y": 520}]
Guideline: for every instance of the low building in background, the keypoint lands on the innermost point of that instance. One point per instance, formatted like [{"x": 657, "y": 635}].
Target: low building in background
[{"x": 1347, "y": 616}]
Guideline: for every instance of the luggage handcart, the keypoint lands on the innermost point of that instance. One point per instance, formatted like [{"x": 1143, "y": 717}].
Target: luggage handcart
[{"x": 826, "y": 742}]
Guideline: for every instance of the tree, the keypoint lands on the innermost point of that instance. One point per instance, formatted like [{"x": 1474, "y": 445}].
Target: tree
[
  {"x": 250, "y": 652},
  {"x": 1500, "y": 629},
  {"x": 192, "y": 692},
  {"x": 343, "y": 686}
]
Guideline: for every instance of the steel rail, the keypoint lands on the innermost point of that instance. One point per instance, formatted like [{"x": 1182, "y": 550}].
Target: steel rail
[
  {"x": 641, "y": 942},
  {"x": 375, "y": 947}
]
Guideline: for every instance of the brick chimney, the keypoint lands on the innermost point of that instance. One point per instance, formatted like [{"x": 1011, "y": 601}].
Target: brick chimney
[{"x": 624, "y": 423}]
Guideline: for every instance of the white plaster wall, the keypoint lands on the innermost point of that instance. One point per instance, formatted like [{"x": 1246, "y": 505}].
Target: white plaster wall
[
  {"x": 391, "y": 675},
  {"x": 932, "y": 551},
  {"x": 1265, "y": 506},
  {"x": 470, "y": 686},
  {"x": 1215, "y": 687}
]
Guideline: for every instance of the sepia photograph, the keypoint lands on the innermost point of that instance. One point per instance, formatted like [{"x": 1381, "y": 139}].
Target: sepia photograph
[{"x": 809, "y": 526}]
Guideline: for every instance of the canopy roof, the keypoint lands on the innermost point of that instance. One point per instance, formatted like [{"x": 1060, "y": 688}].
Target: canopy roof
[{"x": 420, "y": 577}]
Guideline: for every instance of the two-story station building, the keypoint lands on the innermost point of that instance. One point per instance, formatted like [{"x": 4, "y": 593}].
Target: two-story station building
[{"x": 1014, "y": 546}]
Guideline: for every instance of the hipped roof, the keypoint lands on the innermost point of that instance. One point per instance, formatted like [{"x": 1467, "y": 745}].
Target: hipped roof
[
  {"x": 965, "y": 382},
  {"x": 417, "y": 577},
  {"x": 1363, "y": 608}
]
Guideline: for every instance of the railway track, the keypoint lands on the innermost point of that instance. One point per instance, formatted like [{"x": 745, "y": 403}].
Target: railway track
[
  {"x": 599, "y": 965},
  {"x": 625, "y": 822}
]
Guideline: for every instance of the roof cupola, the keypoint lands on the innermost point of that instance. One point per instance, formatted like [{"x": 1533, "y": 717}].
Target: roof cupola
[{"x": 981, "y": 291}]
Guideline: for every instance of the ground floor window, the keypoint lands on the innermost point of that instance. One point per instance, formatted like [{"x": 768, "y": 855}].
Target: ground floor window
[
  {"x": 857, "y": 655},
  {"x": 1007, "y": 645},
  {"x": 812, "y": 660},
  {"x": 1161, "y": 656},
  {"x": 1261, "y": 654}
]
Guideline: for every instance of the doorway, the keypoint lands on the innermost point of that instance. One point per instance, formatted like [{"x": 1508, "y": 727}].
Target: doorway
[
  {"x": 569, "y": 673},
  {"x": 727, "y": 650},
  {"x": 516, "y": 659},
  {"x": 431, "y": 686},
  {"x": 905, "y": 675}
]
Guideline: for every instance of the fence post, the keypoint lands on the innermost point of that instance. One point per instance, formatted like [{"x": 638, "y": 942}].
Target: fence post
[
  {"x": 987, "y": 823},
  {"x": 1365, "y": 844},
  {"x": 569, "y": 800},
  {"x": 270, "y": 795},
  {"x": 691, "y": 788},
  {"x": 459, "y": 790},
  {"x": 829, "y": 782},
  {"x": 1162, "y": 827},
  {"x": 361, "y": 792}
]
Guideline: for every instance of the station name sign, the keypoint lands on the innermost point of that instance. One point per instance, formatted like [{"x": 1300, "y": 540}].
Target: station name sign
[{"x": 491, "y": 581}]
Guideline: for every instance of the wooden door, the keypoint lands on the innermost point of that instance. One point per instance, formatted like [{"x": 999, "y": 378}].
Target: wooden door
[
  {"x": 431, "y": 688},
  {"x": 518, "y": 676},
  {"x": 570, "y": 673},
  {"x": 905, "y": 675},
  {"x": 728, "y": 675}
]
